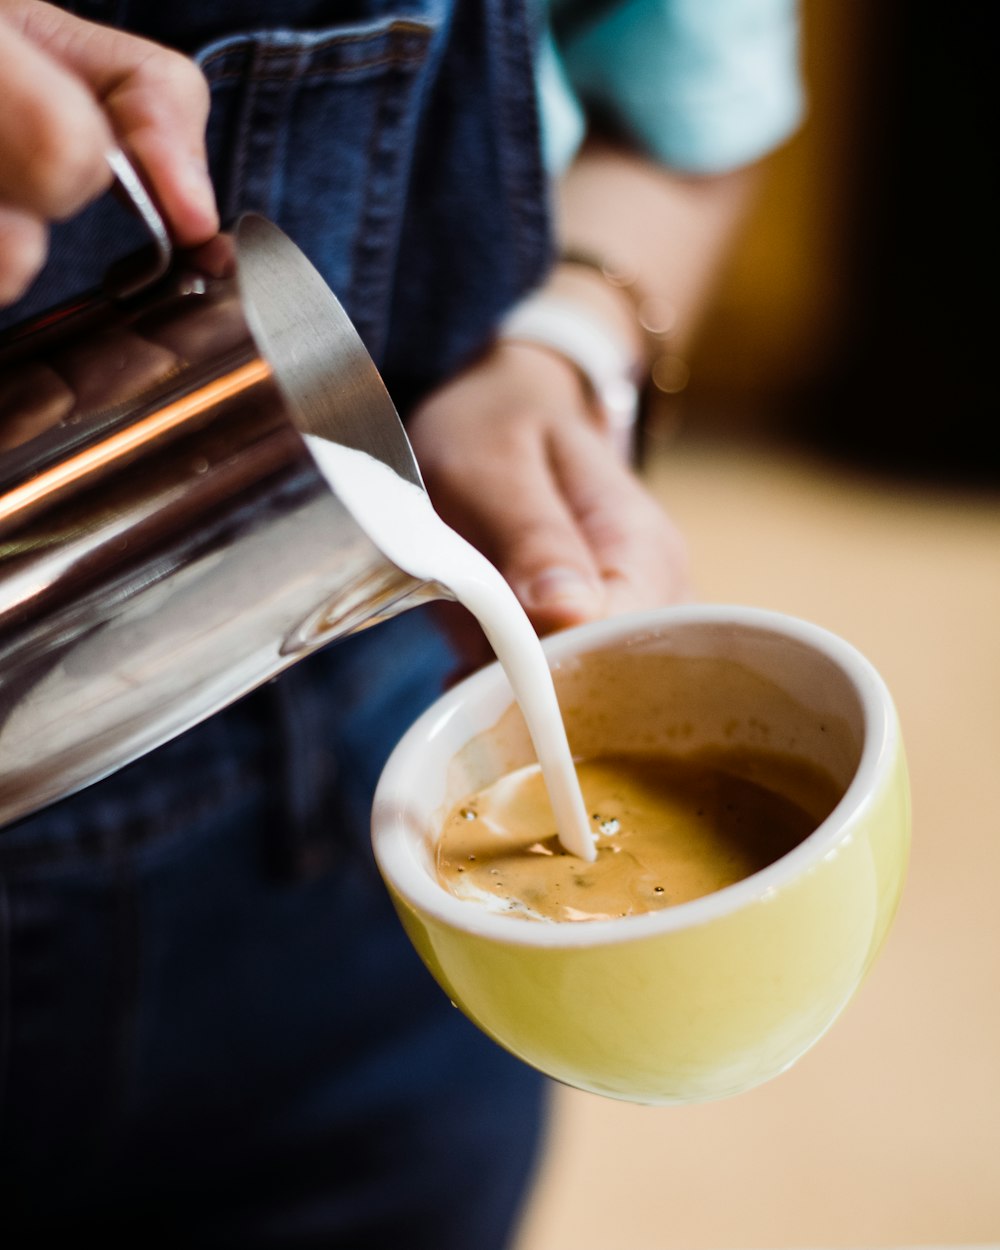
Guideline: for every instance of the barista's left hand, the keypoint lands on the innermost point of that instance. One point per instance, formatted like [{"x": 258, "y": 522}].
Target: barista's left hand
[{"x": 514, "y": 458}]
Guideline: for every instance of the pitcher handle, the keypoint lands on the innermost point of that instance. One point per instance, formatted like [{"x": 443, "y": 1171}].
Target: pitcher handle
[{"x": 125, "y": 280}]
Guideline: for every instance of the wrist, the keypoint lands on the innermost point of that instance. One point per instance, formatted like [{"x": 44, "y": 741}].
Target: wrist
[
  {"x": 593, "y": 346},
  {"x": 654, "y": 317},
  {"x": 588, "y": 289}
]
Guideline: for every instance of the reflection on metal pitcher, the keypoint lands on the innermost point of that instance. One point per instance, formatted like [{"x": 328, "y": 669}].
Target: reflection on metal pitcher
[{"x": 166, "y": 541}]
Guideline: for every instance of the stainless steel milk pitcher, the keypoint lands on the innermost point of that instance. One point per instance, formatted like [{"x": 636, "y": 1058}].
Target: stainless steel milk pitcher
[{"x": 166, "y": 540}]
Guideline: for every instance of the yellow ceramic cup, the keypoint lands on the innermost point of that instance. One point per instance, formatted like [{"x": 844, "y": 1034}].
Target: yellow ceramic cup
[{"x": 710, "y": 997}]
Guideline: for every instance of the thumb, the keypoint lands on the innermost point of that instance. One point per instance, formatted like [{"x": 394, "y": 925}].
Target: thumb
[
  {"x": 639, "y": 553},
  {"x": 539, "y": 548},
  {"x": 556, "y": 594}
]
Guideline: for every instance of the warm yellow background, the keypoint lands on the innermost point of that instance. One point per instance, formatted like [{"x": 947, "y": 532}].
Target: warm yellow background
[{"x": 888, "y": 1133}]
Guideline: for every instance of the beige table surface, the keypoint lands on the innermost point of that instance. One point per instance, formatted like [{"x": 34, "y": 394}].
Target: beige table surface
[{"x": 888, "y": 1132}]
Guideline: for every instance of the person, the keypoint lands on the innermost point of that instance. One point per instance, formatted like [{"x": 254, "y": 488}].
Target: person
[{"x": 212, "y": 1031}]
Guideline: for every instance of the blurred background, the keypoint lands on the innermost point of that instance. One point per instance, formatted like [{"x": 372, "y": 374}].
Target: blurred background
[
  {"x": 835, "y": 455},
  {"x": 859, "y": 310}
]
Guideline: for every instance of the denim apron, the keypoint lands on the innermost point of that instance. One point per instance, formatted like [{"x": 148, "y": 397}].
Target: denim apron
[{"x": 212, "y": 1031}]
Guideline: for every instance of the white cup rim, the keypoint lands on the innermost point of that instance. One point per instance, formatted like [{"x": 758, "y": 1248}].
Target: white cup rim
[{"x": 393, "y": 839}]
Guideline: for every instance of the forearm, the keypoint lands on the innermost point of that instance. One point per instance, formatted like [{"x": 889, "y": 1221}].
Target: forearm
[{"x": 667, "y": 231}]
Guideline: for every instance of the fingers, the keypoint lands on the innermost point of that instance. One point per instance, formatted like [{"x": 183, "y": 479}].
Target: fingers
[
  {"x": 157, "y": 102},
  {"x": 33, "y": 398},
  {"x": 639, "y": 553},
  {"x": 72, "y": 91},
  {"x": 589, "y": 540},
  {"x": 53, "y": 135},
  {"x": 514, "y": 461},
  {"x": 481, "y": 444},
  {"x": 534, "y": 538},
  {"x": 108, "y": 369},
  {"x": 23, "y": 245}
]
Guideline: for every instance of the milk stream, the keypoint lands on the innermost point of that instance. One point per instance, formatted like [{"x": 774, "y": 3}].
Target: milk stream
[{"x": 399, "y": 519}]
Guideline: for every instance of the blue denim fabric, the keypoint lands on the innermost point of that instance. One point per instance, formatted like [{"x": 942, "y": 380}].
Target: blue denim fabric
[
  {"x": 212, "y": 1030},
  {"x": 400, "y": 151}
]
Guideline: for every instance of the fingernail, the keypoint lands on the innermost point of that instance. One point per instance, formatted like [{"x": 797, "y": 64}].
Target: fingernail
[{"x": 563, "y": 588}]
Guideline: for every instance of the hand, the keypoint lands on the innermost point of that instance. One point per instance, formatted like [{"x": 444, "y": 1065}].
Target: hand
[
  {"x": 72, "y": 91},
  {"x": 516, "y": 461}
]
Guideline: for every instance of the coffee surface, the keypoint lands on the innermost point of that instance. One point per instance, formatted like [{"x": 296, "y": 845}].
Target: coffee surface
[{"x": 668, "y": 829}]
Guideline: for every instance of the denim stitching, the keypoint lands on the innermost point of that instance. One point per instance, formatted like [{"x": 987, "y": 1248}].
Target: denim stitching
[
  {"x": 264, "y": 64},
  {"x": 518, "y": 136},
  {"x": 406, "y": 46},
  {"x": 273, "y": 108},
  {"x": 401, "y": 30},
  {"x": 244, "y": 126},
  {"x": 323, "y": 74},
  {"x": 370, "y": 251}
]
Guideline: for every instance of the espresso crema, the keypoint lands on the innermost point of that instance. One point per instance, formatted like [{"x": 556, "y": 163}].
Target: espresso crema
[{"x": 668, "y": 829}]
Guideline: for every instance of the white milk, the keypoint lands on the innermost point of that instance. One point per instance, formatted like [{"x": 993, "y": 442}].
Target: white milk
[{"x": 399, "y": 519}]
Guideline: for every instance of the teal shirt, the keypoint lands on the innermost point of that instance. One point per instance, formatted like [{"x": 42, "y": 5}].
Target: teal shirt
[{"x": 702, "y": 85}]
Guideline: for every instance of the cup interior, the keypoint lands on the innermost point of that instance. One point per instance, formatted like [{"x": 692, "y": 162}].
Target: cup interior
[{"x": 675, "y": 680}]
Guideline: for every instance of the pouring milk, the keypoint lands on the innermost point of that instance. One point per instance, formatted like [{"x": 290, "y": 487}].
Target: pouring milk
[{"x": 399, "y": 519}]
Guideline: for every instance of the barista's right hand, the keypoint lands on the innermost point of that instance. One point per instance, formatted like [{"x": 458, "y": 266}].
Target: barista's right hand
[{"x": 72, "y": 91}]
